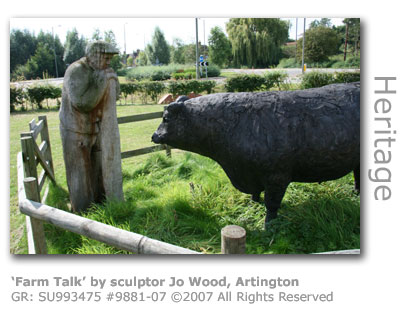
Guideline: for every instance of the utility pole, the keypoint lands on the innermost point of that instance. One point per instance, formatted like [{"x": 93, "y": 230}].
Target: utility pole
[
  {"x": 125, "y": 41},
  {"x": 303, "y": 43},
  {"x": 346, "y": 39},
  {"x": 296, "y": 35},
  {"x": 197, "y": 50},
  {"x": 204, "y": 33}
]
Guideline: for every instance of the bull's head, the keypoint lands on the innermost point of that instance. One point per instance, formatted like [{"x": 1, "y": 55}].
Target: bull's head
[{"x": 172, "y": 129}]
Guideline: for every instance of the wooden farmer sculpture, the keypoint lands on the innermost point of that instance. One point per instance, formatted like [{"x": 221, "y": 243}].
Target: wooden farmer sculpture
[{"x": 89, "y": 128}]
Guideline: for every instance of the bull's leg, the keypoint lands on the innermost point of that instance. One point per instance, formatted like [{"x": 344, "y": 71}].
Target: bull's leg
[
  {"x": 255, "y": 197},
  {"x": 272, "y": 198},
  {"x": 357, "y": 179}
]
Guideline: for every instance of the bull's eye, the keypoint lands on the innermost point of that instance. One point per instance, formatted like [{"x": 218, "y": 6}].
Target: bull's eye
[{"x": 165, "y": 119}]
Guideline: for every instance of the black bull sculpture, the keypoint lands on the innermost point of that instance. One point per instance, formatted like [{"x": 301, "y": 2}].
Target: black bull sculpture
[{"x": 266, "y": 140}]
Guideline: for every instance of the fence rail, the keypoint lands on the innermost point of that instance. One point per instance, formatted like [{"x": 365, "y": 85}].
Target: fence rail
[
  {"x": 38, "y": 213},
  {"x": 30, "y": 204},
  {"x": 141, "y": 151}
]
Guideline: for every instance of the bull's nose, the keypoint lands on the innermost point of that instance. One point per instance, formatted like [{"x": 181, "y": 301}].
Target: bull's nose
[{"x": 156, "y": 138}]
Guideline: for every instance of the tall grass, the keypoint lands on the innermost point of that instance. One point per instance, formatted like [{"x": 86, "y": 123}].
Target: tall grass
[{"x": 186, "y": 200}]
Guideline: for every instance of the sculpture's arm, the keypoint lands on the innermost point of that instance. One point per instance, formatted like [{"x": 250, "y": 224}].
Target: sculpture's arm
[
  {"x": 112, "y": 75},
  {"x": 86, "y": 87}
]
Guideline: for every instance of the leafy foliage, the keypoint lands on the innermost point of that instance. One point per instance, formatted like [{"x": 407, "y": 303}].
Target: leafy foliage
[
  {"x": 16, "y": 97},
  {"x": 256, "y": 42},
  {"x": 37, "y": 94},
  {"x": 320, "y": 43},
  {"x": 158, "y": 51},
  {"x": 219, "y": 47},
  {"x": 316, "y": 79},
  {"x": 255, "y": 82},
  {"x": 74, "y": 47}
]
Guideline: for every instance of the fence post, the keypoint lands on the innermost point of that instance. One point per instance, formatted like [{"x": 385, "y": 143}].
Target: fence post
[
  {"x": 36, "y": 226},
  {"x": 29, "y": 161},
  {"x": 233, "y": 240},
  {"x": 168, "y": 151},
  {"x": 46, "y": 137}
]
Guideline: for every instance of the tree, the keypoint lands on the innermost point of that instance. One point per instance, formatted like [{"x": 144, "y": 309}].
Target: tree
[
  {"x": 23, "y": 45},
  {"x": 352, "y": 34},
  {"x": 324, "y": 22},
  {"x": 53, "y": 43},
  {"x": 74, "y": 48},
  {"x": 256, "y": 41},
  {"x": 41, "y": 64},
  {"x": 96, "y": 36},
  {"x": 158, "y": 51},
  {"x": 219, "y": 47},
  {"x": 177, "y": 51},
  {"x": 109, "y": 36},
  {"x": 320, "y": 43},
  {"x": 142, "y": 58}
]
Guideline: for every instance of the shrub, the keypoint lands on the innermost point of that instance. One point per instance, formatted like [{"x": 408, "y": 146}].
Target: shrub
[
  {"x": 212, "y": 71},
  {"x": 316, "y": 79},
  {"x": 179, "y": 88},
  {"x": 37, "y": 94},
  {"x": 345, "y": 77},
  {"x": 207, "y": 85},
  {"x": 150, "y": 89},
  {"x": 16, "y": 97},
  {"x": 244, "y": 83},
  {"x": 254, "y": 82},
  {"x": 289, "y": 63},
  {"x": 274, "y": 79}
]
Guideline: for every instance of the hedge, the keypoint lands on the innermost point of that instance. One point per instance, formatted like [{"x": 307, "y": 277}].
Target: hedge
[
  {"x": 255, "y": 82},
  {"x": 179, "y": 88},
  {"x": 316, "y": 79}
]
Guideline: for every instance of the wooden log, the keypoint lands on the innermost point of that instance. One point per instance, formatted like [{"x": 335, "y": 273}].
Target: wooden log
[
  {"x": 138, "y": 152},
  {"x": 45, "y": 136},
  {"x": 140, "y": 117},
  {"x": 110, "y": 235},
  {"x": 44, "y": 163},
  {"x": 35, "y": 227},
  {"x": 168, "y": 151},
  {"x": 41, "y": 180},
  {"x": 37, "y": 129},
  {"x": 233, "y": 240},
  {"x": 29, "y": 161},
  {"x": 351, "y": 251}
]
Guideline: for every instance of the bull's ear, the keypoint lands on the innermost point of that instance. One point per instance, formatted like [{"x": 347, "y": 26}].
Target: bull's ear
[
  {"x": 175, "y": 107},
  {"x": 182, "y": 99}
]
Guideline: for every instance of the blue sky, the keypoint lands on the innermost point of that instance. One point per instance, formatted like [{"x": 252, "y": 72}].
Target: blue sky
[{"x": 138, "y": 31}]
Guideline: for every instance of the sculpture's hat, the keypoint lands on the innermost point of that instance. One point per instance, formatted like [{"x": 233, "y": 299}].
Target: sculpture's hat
[{"x": 100, "y": 47}]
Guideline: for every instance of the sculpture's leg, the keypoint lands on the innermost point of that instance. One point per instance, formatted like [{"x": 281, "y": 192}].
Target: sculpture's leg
[
  {"x": 96, "y": 171},
  {"x": 111, "y": 148},
  {"x": 77, "y": 158},
  {"x": 272, "y": 198},
  {"x": 357, "y": 179}
]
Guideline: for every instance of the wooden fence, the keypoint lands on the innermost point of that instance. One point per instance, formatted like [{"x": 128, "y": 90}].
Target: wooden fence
[
  {"x": 143, "y": 117},
  {"x": 30, "y": 186}
]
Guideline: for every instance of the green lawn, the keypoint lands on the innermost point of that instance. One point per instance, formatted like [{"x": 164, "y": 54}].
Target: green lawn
[{"x": 188, "y": 199}]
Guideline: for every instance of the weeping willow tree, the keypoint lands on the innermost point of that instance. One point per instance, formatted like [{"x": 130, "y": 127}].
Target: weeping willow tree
[{"x": 256, "y": 41}]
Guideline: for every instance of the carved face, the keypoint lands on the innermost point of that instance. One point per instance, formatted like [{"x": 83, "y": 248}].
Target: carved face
[{"x": 100, "y": 60}]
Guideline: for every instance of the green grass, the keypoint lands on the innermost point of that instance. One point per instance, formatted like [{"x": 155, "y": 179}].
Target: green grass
[{"x": 187, "y": 199}]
